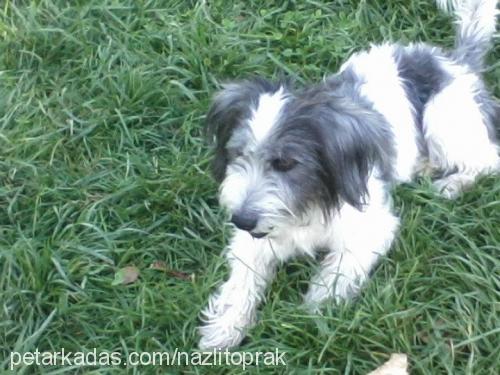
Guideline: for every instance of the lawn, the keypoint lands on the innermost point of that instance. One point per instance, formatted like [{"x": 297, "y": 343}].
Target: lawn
[{"x": 103, "y": 165}]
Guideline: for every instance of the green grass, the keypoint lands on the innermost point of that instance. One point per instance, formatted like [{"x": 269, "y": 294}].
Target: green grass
[{"x": 103, "y": 165}]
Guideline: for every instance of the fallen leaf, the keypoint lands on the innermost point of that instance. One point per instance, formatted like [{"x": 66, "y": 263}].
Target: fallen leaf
[
  {"x": 396, "y": 365},
  {"x": 179, "y": 274},
  {"x": 162, "y": 266},
  {"x": 126, "y": 275}
]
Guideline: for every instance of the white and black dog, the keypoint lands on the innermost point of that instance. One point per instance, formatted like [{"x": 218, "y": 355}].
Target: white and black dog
[{"x": 313, "y": 169}]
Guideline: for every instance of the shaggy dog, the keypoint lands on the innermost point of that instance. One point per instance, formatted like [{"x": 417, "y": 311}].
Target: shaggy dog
[{"x": 313, "y": 169}]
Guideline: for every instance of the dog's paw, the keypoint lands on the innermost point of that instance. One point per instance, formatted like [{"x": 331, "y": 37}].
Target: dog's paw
[
  {"x": 225, "y": 322},
  {"x": 315, "y": 296},
  {"x": 218, "y": 334},
  {"x": 452, "y": 186},
  {"x": 312, "y": 307},
  {"x": 319, "y": 293}
]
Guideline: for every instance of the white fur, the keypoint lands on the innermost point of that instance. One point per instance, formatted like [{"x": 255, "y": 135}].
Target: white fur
[
  {"x": 266, "y": 114},
  {"x": 233, "y": 189},
  {"x": 231, "y": 310},
  {"x": 384, "y": 88},
  {"x": 448, "y": 5},
  {"x": 473, "y": 16},
  {"x": 468, "y": 147},
  {"x": 359, "y": 239}
]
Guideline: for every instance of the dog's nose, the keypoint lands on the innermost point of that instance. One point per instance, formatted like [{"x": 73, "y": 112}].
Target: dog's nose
[{"x": 244, "y": 220}]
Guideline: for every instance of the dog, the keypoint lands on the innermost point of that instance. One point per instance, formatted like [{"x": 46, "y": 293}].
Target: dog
[{"x": 302, "y": 170}]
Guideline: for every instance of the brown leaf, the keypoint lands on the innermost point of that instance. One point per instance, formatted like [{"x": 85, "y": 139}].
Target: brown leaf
[
  {"x": 162, "y": 266},
  {"x": 179, "y": 275}
]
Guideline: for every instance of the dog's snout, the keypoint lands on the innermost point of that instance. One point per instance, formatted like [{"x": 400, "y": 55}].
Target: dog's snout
[{"x": 245, "y": 220}]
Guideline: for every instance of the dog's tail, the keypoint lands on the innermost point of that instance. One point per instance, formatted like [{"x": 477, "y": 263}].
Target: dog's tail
[{"x": 476, "y": 21}]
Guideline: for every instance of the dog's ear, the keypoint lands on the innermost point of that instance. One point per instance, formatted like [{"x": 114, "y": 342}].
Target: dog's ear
[
  {"x": 352, "y": 141},
  {"x": 231, "y": 105}
]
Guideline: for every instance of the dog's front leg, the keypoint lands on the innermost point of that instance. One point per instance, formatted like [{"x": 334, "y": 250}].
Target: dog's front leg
[
  {"x": 231, "y": 310},
  {"x": 358, "y": 239}
]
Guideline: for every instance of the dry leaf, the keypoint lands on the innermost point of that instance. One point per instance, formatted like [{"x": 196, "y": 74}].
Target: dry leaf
[
  {"x": 162, "y": 266},
  {"x": 396, "y": 365},
  {"x": 179, "y": 274},
  {"x": 126, "y": 275}
]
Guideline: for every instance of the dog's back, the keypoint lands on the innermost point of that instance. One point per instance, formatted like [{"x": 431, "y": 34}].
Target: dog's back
[{"x": 435, "y": 100}]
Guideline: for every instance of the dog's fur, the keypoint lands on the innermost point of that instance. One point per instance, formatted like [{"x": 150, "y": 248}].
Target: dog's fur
[{"x": 312, "y": 169}]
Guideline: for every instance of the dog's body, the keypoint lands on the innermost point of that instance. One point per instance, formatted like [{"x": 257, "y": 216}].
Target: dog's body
[{"x": 310, "y": 170}]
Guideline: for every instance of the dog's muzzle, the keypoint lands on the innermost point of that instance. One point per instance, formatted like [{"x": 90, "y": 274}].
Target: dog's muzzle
[{"x": 247, "y": 221}]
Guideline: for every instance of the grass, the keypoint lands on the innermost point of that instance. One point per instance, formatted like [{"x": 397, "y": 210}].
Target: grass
[{"x": 103, "y": 165}]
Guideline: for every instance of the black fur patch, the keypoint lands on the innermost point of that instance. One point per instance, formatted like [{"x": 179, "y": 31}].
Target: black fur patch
[
  {"x": 423, "y": 77},
  {"x": 338, "y": 138}
]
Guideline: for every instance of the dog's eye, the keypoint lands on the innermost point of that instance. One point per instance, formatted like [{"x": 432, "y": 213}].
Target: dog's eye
[{"x": 283, "y": 164}]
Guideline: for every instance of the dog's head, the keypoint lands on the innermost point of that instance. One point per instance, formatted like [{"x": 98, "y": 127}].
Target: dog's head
[{"x": 278, "y": 153}]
